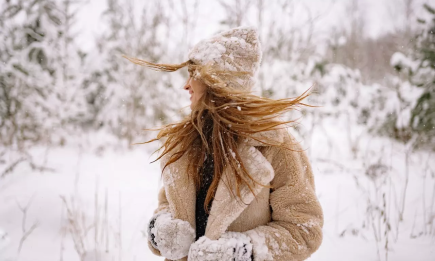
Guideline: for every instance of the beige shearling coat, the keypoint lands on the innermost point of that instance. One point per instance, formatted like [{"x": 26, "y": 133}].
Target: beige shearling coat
[{"x": 284, "y": 222}]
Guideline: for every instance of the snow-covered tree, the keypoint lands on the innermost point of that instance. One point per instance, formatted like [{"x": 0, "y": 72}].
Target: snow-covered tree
[
  {"x": 38, "y": 77},
  {"x": 417, "y": 66},
  {"x": 423, "y": 114},
  {"x": 122, "y": 97}
]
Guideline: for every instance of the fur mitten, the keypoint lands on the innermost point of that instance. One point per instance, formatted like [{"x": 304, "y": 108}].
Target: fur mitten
[
  {"x": 172, "y": 237},
  {"x": 231, "y": 246}
]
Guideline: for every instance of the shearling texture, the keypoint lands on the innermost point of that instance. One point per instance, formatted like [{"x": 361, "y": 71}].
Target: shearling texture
[
  {"x": 295, "y": 230},
  {"x": 228, "y": 209},
  {"x": 233, "y": 246},
  {"x": 163, "y": 207},
  {"x": 173, "y": 237},
  {"x": 284, "y": 222}
]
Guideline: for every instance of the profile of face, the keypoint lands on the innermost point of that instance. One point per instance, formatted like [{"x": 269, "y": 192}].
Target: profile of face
[{"x": 196, "y": 90}]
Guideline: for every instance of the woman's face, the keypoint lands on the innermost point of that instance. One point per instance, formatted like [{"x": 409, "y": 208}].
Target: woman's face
[{"x": 196, "y": 90}]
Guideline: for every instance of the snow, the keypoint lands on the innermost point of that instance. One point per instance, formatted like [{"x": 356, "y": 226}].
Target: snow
[
  {"x": 236, "y": 49},
  {"x": 4, "y": 240},
  {"x": 351, "y": 200},
  {"x": 132, "y": 185},
  {"x": 399, "y": 59},
  {"x": 261, "y": 251},
  {"x": 95, "y": 199},
  {"x": 173, "y": 236},
  {"x": 208, "y": 52},
  {"x": 231, "y": 245}
]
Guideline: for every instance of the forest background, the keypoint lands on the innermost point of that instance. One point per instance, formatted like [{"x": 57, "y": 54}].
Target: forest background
[{"x": 71, "y": 109}]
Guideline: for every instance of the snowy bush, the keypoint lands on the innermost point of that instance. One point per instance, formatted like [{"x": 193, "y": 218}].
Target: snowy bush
[
  {"x": 418, "y": 68},
  {"x": 40, "y": 74}
]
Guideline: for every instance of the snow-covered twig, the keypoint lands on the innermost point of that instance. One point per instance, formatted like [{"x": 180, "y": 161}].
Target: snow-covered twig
[{"x": 26, "y": 232}]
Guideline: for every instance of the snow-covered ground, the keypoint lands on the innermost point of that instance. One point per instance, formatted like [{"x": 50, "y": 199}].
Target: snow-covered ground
[{"x": 111, "y": 197}]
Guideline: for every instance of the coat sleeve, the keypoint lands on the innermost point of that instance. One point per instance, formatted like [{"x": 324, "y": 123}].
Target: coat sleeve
[
  {"x": 295, "y": 229},
  {"x": 163, "y": 206}
]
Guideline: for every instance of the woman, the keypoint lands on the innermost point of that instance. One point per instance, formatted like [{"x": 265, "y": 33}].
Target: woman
[{"x": 236, "y": 184}]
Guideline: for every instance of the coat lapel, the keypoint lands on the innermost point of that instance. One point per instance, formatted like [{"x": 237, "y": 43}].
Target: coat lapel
[
  {"x": 225, "y": 209},
  {"x": 181, "y": 191}
]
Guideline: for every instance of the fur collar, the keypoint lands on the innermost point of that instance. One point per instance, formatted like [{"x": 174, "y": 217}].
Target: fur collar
[{"x": 181, "y": 192}]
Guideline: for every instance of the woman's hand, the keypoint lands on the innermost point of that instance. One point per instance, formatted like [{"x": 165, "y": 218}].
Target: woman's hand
[
  {"x": 172, "y": 237},
  {"x": 231, "y": 246}
]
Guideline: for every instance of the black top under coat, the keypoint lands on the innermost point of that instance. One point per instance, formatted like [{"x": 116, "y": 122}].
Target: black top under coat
[{"x": 201, "y": 215}]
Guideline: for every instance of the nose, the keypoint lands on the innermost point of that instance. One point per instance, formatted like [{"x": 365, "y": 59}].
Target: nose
[{"x": 187, "y": 85}]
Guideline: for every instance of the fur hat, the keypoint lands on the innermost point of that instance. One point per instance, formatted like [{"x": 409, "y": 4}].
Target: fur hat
[{"x": 228, "y": 59}]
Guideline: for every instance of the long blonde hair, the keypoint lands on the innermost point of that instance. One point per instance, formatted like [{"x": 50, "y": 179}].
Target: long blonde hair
[{"x": 222, "y": 117}]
